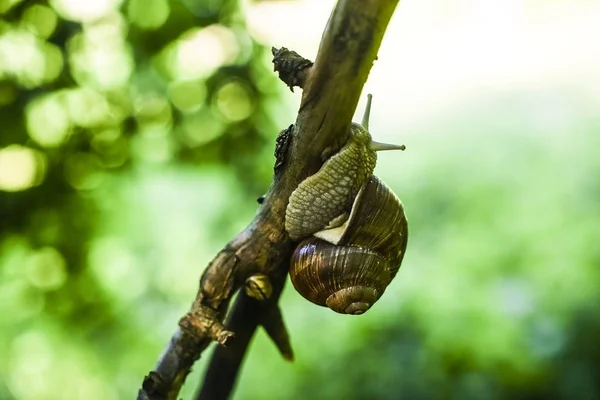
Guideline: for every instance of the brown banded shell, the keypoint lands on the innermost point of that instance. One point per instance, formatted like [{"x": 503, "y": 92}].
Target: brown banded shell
[
  {"x": 377, "y": 222},
  {"x": 346, "y": 279},
  {"x": 348, "y": 268}
]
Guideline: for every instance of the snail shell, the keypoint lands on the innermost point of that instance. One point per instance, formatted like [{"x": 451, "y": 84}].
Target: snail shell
[{"x": 347, "y": 268}]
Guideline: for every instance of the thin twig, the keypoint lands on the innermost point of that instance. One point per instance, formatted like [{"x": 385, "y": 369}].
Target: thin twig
[{"x": 247, "y": 314}]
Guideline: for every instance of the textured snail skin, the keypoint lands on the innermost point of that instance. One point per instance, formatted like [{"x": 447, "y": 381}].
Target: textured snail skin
[
  {"x": 321, "y": 199},
  {"x": 351, "y": 273}
]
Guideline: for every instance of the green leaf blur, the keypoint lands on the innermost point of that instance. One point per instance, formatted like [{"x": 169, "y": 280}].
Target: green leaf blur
[{"x": 136, "y": 135}]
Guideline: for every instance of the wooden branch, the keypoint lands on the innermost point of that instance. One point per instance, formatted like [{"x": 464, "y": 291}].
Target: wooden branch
[
  {"x": 332, "y": 87},
  {"x": 246, "y": 316}
]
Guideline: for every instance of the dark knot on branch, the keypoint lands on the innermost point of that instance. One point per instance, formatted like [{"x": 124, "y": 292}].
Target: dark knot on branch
[{"x": 291, "y": 67}]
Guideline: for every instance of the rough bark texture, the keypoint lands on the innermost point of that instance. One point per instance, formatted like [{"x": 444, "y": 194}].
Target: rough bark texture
[{"x": 332, "y": 86}]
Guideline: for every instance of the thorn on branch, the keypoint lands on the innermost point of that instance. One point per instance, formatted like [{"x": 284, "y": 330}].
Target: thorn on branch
[
  {"x": 277, "y": 331},
  {"x": 291, "y": 66}
]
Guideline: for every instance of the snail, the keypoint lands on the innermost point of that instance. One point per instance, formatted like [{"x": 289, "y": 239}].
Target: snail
[{"x": 352, "y": 228}]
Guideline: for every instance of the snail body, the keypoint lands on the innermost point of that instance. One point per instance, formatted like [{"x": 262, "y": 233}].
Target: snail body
[
  {"x": 322, "y": 199},
  {"x": 354, "y": 228}
]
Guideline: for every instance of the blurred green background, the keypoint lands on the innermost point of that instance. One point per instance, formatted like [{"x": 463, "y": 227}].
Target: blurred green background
[{"x": 135, "y": 136}]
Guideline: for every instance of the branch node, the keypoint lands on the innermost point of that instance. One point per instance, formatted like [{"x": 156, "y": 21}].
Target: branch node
[
  {"x": 200, "y": 324},
  {"x": 223, "y": 336},
  {"x": 293, "y": 69},
  {"x": 259, "y": 287},
  {"x": 152, "y": 386}
]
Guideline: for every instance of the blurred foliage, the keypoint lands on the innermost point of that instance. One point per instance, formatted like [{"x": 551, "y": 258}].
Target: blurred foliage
[
  {"x": 105, "y": 106},
  {"x": 135, "y": 136}
]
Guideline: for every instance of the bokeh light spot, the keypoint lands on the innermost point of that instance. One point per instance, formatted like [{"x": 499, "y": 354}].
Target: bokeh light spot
[
  {"x": 53, "y": 62},
  {"x": 25, "y": 302},
  {"x": 83, "y": 171},
  {"x": 84, "y": 11},
  {"x": 29, "y": 60},
  {"x": 201, "y": 127},
  {"x": 148, "y": 14},
  {"x": 47, "y": 121},
  {"x": 45, "y": 269},
  {"x": 99, "y": 57},
  {"x": 200, "y": 52},
  {"x": 187, "y": 95},
  {"x": 115, "y": 266},
  {"x": 41, "y": 19},
  {"x": 86, "y": 107},
  {"x": 6, "y": 5},
  {"x": 546, "y": 338},
  {"x": 20, "y": 168},
  {"x": 112, "y": 147},
  {"x": 233, "y": 101},
  {"x": 32, "y": 357},
  {"x": 153, "y": 145},
  {"x": 153, "y": 111}
]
